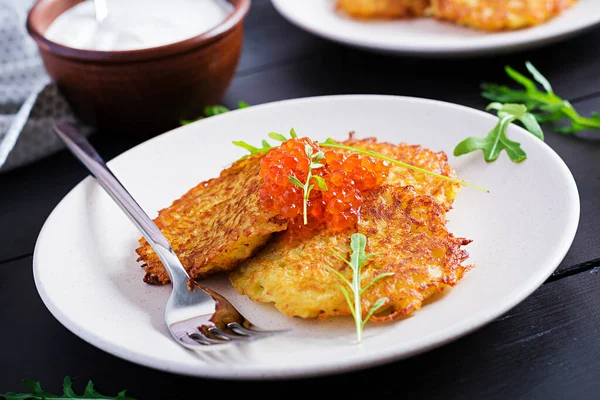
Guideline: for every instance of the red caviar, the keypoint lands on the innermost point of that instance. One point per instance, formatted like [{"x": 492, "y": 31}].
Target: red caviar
[{"x": 347, "y": 176}]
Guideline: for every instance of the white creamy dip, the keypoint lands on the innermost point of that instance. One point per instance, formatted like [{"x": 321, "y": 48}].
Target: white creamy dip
[{"x": 136, "y": 24}]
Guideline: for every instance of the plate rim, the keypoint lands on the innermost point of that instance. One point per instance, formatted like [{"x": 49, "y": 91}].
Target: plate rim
[
  {"x": 432, "y": 340},
  {"x": 466, "y": 49}
]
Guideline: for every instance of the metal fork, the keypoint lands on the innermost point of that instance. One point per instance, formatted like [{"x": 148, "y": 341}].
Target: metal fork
[{"x": 196, "y": 316}]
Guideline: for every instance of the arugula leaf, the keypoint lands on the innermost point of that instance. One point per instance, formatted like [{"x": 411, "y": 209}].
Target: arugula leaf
[
  {"x": 213, "y": 110},
  {"x": 189, "y": 121},
  {"x": 37, "y": 393},
  {"x": 210, "y": 111},
  {"x": 496, "y": 140},
  {"x": 545, "y": 105},
  {"x": 358, "y": 257},
  {"x": 266, "y": 146},
  {"x": 252, "y": 149},
  {"x": 277, "y": 136}
]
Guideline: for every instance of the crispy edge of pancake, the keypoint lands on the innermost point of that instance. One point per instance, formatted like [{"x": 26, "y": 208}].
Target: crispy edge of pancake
[
  {"x": 497, "y": 15},
  {"x": 433, "y": 247},
  {"x": 214, "y": 225},
  {"x": 443, "y": 191},
  {"x": 384, "y": 9},
  {"x": 407, "y": 229}
]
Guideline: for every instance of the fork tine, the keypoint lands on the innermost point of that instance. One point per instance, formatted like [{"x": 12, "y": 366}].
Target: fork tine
[
  {"x": 204, "y": 340},
  {"x": 227, "y": 336},
  {"x": 217, "y": 336},
  {"x": 241, "y": 330}
]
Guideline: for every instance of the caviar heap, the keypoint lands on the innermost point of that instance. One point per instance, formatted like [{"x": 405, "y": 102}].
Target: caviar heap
[{"x": 347, "y": 177}]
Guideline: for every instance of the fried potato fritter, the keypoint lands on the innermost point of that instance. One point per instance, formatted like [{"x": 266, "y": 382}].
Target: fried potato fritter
[
  {"x": 383, "y": 8},
  {"x": 443, "y": 191},
  {"x": 496, "y": 15},
  {"x": 220, "y": 222},
  {"x": 407, "y": 229},
  {"x": 215, "y": 225},
  {"x": 486, "y": 15}
]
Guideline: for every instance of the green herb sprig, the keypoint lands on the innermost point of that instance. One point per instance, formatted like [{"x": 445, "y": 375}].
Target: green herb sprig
[
  {"x": 544, "y": 104},
  {"x": 496, "y": 140},
  {"x": 307, "y": 187},
  {"x": 37, "y": 393},
  {"x": 352, "y": 290},
  {"x": 265, "y": 147},
  {"x": 210, "y": 111}
]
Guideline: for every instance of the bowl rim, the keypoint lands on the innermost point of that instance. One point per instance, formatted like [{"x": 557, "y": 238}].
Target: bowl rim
[{"x": 233, "y": 20}]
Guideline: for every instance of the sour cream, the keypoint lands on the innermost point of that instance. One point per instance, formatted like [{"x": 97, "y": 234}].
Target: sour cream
[{"x": 136, "y": 24}]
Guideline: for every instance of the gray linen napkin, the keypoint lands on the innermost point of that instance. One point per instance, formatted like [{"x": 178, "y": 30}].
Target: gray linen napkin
[{"x": 29, "y": 103}]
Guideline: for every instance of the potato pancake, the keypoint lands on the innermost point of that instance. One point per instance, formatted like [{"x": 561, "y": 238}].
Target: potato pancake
[
  {"x": 406, "y": 228},
  {"x": 383, "y": 8},
  {"x": 220, "y": 222},
  {"x": 215, "y": 225},
  {"x": 443, "y": 191},
  {"x": 496, "y": 15}
]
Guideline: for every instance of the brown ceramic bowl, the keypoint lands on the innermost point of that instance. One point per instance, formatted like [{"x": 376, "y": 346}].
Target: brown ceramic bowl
[{"x": 147, "y": 90}]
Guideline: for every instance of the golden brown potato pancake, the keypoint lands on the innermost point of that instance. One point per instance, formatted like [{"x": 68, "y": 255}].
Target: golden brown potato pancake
[
  {"x": 219, "y": 223},
  {"x": 214, "y": 225},
  {"x": 496, "y": 15},
  {"x": 443, "y": 191},
  {"x": 407, "y": 229},
  {"x": 383, "y": 8}
]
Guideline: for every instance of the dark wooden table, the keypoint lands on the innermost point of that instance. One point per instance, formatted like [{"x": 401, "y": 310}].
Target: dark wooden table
[{"x": 547, "y": 347}]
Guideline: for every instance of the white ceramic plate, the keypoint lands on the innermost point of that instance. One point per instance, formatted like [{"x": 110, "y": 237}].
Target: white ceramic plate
[
  {"x": 86, "y": 271},
  {"x": 425, "y": 36}
]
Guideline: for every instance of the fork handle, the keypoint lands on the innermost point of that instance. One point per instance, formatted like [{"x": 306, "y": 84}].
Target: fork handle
[{"x": 83, "y": 150}]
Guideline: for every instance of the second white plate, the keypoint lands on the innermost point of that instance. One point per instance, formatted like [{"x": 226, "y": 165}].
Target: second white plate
[
  {"x": 85, "y": 263},
  {"x": 428, "y": 37}
]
